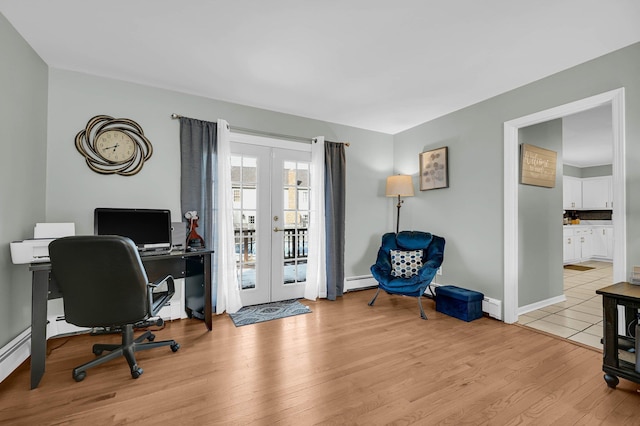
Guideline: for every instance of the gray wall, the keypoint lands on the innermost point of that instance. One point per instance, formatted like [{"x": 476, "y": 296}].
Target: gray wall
[
  {"x": 23, "y": 133},
  {"x": 540, "y": 274},
  {"x": 469, "y": 214},
  {"x": 73, "y": 190},
  {"x": 44, "y": 158}
]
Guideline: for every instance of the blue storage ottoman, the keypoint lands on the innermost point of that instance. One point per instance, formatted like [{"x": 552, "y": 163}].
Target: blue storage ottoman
[{"x": 459, "y": 302}]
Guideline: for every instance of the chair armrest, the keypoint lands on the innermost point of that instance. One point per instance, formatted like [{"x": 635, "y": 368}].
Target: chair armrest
[
  {"x": 157, "y": 299},
  {"x": 381, "y": 271},
  {"x": 428, "y": 270}
]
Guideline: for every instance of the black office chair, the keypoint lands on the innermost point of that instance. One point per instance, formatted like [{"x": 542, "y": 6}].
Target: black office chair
[{"x": 104, "y": 284}]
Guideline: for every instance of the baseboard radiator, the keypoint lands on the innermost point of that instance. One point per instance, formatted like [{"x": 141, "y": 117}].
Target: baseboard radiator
[
  {"x": 18, "y": 350},
  {"x": 493, "y": 307},
  {"x": 490, "y": 306},
  {"x": 15, "y": 353},
  {"x": 359, "y": 282}
]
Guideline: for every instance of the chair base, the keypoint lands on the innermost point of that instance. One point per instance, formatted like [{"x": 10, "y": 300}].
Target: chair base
[
  {"x": 127, "y": 349},
  {"x": 422, "y": 314}
]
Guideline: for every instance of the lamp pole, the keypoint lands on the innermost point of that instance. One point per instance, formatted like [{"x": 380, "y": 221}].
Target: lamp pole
[{"x": 398, "y": 218}]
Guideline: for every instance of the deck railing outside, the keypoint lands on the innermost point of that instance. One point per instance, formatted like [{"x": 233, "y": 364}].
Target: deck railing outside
[{"x": 295, "y": 243}]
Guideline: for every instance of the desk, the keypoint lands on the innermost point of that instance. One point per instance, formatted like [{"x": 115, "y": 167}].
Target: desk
[
  {"x": 178, "y": 264},
  {"x": 627, "y": 295}
]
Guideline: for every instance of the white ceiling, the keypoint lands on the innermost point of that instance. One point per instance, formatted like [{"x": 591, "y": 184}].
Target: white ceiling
[{"x": 375, "y": 64}]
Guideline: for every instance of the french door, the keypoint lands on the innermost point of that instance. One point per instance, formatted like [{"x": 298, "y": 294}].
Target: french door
[{"x": 271, "y": 189}]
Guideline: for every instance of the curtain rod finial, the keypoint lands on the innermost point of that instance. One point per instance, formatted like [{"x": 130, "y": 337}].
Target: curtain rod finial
[{"x": 174, "y": 116}]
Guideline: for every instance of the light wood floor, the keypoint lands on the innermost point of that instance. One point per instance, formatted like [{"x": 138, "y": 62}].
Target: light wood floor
[{"x": 345, "y": 363}]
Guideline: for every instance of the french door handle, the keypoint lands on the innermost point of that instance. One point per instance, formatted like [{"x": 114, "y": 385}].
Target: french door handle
[{"x": 276, "y": 229}]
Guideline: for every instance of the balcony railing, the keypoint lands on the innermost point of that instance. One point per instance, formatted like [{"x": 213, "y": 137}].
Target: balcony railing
[{"x": 295, "y": 243}]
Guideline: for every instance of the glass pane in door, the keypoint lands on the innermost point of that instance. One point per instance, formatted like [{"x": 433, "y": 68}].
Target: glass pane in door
[
  {"x": 296, "y": 221},
  {"x": 245, "y": 203}
]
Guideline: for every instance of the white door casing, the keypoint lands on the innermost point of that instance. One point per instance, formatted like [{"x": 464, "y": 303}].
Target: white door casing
[{"x": 511, "y": 165}]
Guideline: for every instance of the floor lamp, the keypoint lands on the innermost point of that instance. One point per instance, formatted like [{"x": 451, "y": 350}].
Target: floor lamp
[{"x": 400, "y": 186}]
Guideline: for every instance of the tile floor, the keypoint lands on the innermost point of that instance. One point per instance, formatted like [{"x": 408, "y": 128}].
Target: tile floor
[{"x": 579, "y": 318}]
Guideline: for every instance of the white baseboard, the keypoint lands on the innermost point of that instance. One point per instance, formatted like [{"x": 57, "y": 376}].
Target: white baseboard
[
  {"x": 15, "y": 353},
  {"x": 542, "y": 304}
]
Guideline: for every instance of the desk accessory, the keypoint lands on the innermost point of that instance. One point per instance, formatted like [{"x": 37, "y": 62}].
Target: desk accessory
[
  {"x": 37, "y": 249},
  {"x": 194, "y": 240}
]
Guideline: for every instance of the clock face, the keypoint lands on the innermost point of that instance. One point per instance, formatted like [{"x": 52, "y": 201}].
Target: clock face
[{"x": 115, "y": 146}]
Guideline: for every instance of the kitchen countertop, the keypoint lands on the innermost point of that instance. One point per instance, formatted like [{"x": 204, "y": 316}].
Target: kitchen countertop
[{"x": 590, "y": 223}]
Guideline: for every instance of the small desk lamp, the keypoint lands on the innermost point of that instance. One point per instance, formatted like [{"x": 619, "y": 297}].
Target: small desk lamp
[{"x": 399, "y": 185}]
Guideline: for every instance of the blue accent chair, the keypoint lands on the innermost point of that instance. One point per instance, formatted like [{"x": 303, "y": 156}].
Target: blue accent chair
[{"x": 432, "y": 248}]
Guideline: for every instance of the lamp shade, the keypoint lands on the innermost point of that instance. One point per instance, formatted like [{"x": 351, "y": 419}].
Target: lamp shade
[{"x": 399, "y": 185}]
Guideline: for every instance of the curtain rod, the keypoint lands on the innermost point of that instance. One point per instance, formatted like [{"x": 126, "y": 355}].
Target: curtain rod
[{"x": 175, "y": 116}]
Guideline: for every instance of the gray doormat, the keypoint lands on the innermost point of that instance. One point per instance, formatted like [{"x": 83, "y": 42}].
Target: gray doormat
[{"x": 268, "y": 311}]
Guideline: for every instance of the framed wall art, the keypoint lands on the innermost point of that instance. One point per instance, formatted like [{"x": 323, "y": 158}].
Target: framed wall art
[
  {"x": 537, "y": 166},
  {"x": 434, "y": 169}
]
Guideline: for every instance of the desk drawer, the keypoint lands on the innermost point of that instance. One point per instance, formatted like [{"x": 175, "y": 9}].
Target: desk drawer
[{"x": 161, "y": 268}]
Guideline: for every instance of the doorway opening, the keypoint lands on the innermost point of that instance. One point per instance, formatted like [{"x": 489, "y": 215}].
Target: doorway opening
[
  {"x": 587, "y": 234},
  {"x": 511, "y": 166}
]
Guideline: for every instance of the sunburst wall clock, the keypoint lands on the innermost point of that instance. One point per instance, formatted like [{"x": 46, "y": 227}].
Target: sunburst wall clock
[{"x": 113, "y": 145}]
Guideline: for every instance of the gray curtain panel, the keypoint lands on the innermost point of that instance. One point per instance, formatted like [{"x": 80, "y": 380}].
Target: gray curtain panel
[
  {"x": 334, "y": 187},
  {"x": 198, "y": 148},
  {"x": 198, "y": 166}
]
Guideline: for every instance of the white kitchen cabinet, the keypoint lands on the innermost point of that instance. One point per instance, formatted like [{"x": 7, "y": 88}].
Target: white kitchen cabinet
[
  {"x": 597, "y": 193},
  {"x": 571, "y": 192},
  {"x": 569, "y": 247},
  {"x": 584, "y": 239},
  {"x": 602, "y": 242},
  {"x": 577, "y": 244}
]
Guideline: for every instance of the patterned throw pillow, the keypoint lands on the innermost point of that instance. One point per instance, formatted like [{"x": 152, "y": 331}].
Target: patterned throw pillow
[{"x": 405, "y": 263}]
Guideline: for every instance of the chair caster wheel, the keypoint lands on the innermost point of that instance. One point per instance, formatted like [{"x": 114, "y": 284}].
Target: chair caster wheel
[
  {"x": 136, "y": 372},
  {"x": 78, "y": 377},
  {"x": 97, "y": 352},
  {"x": 151, "y": 337},
  {"x": 175, "y": 347}
]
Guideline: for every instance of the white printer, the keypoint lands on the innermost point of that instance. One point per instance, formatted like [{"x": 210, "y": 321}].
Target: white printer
[{"x": 37, "y": 249}]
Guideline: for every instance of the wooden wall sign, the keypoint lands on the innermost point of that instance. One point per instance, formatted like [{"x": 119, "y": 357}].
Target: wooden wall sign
[{"x": 537, "y": 166}]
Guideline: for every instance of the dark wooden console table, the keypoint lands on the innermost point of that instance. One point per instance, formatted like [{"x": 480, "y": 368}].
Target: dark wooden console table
[
  {"x": 627, "y": 295},
  {"x": 196, "y": 264}
]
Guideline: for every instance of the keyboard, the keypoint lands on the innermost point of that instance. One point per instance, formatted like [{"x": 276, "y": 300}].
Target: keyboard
[{"x": 147, "y": 253}]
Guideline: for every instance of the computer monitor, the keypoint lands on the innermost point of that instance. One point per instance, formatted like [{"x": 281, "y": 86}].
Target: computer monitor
[{"x": 149, "y": 229}]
